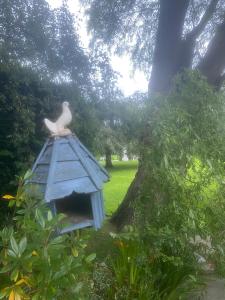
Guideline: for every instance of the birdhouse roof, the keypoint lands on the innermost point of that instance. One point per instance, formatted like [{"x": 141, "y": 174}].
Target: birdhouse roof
[{"x": 63, "y": 166}]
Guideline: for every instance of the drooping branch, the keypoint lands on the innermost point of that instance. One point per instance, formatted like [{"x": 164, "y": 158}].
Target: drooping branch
[
  {"x": 213, "y": 64},
  {"x": 166, "y": 62},
  {"x": 204, "y": 20}
]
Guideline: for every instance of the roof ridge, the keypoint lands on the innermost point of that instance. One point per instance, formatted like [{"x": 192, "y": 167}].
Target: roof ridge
[{"x": 49, "y": 181}]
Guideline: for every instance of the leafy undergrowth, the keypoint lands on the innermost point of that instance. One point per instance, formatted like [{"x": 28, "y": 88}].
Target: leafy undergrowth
[{"x": 35, "y": 261}]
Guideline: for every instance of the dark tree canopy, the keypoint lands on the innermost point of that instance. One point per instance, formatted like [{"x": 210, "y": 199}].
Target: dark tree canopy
[
  {"x": 166, "y": 36},
  {"x": 44, "y": 39}
]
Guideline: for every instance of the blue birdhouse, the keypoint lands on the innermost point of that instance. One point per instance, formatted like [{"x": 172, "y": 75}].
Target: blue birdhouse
[{"x": 71, "y": 181}]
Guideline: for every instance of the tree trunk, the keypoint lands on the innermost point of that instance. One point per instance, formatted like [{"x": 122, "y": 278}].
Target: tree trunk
[
  {"x": 168, "y": 56},
  {"x": 213, "y": 64},
  {"x": 108, "y": 159},
  {"x": 167, "y": 62}
]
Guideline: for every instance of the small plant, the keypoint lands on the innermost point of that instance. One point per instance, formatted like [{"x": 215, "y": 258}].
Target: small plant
[
  {"x": 35, "y": 262},
  {"x": 125, "y": 274}
]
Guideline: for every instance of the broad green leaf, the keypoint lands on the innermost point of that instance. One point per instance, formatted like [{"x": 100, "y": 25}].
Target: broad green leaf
[
  {"x": 14, "y": 275},
  {"x": 5, "y": 269},
  {"x": 90, "y": 257},
  {"x": 3, "y": 294},
  {"x": 14, "y": 245},
  {"x": 11, "y": 253},
  {"x": 49, "y": 216},
  {"x": 27, "y": 175},
  {"x": 23, "y": 245},
  {"x": 40, "y": 218},
  {"x": 75, "y": 252}
]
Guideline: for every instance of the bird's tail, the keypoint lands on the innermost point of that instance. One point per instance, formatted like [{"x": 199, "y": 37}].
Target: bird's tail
[{"x": 50, "y": 125}]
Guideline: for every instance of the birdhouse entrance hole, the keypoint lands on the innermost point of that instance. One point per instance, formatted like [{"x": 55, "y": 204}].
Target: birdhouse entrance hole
[{"x": 76, "y": 207}]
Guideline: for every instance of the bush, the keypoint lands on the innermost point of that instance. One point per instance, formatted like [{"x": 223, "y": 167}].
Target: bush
[
  {"x": 138, "y": 269},
  {"x": 184, "y": 163},
  {"x": 36, "y": 262}
]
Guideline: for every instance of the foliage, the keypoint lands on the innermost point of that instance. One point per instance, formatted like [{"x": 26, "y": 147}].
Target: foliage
[
  {"x": 108, "y": 141},
  {"x": 136, "y": 270},
  {"x": 184, "y": 187},
  {"x": 24, "y": 101},
  {"x": 36, "y": 262},
  {"x": 45, "y": 39},
  {"x": 121, "y": 126},
  {"x": 135, "y": 23}
]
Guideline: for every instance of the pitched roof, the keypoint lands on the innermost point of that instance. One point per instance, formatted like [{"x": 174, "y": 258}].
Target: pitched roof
[{"x": 63, "y": 166}]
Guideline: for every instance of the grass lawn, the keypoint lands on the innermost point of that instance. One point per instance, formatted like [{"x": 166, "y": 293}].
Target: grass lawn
[{"x": 121, "y": 176}]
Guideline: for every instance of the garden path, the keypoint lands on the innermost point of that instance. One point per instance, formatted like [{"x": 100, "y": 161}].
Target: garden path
[{"x": 215, "y": 289}]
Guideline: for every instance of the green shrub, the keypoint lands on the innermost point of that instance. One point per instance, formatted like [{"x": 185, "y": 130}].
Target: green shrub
[
  {"x": 36, "y": 262},
  {"x": 139, "y": 269},
  {"x": 184, "y": 168}
]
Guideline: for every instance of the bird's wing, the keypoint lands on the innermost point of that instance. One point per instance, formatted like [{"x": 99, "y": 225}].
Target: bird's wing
[
  {"x": 51, "y": 126},
  {"x": 64, "y": 119}
]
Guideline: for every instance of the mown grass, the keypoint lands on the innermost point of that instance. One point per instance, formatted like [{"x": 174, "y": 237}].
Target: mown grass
[{"x": 121, "y": 176}]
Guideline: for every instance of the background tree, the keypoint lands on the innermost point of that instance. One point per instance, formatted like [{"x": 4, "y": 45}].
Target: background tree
[
  {"x": 168, "y": 36},
  {"x": 44, "y": 39}
]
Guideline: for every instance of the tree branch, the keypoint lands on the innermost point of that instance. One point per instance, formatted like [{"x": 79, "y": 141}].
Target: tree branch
[
  {"x": 221, "y": 80},
  {"x": 213, "y": 64},
  {"x": 166, "y": 62},
  {"x": 204, "y": 20}
]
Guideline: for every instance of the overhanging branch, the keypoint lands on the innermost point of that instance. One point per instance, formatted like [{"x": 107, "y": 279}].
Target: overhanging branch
[
  {"x": 213, "y": 64},
  {"x": 204, "y": 20}
]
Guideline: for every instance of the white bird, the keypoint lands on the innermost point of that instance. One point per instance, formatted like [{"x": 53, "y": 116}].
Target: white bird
[{"x": 58, "y": 128}]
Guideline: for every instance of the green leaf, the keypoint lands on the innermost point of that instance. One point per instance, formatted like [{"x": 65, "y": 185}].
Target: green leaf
[
  {"x": 166, "y": 161},
  {"x": 78, "y": 287},
  {"x": 5, "y": 269},
  {"x": 23, "y": 245},
  {"x": 40, "y": 218},
  {"x": 49, "y": 216},
  {"x": 58, "y": 240},
  {"x": 90, "y": 258},
  {"x": 3, "y": 294},
  {"x": 27, "y": 175},
  {"x": 11, "y": 253},
  {"x": 75, "y": 252},
  {"x": 14, "y": 275},
  {"x": 14, "y": 245}
]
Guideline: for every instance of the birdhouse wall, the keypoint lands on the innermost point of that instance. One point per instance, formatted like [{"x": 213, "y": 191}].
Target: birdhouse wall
[{"x": 98, "y": 210}]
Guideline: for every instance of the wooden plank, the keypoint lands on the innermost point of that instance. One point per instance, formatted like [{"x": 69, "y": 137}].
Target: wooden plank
[
  {"x": 67, "y": 170},
  {"x": 91, "y": 156},
  {"x": 86, "y": 165},
  {"x": 46, "y": 155},
  {"x": 51, "y": 172},
  {"x": 66, "y": 153},
  {"x": 95, "y": 210},
  {"x": 65, "y": 188},
  {"x": 39, "y": 156},
  {"x": 40, "y": 174}
]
